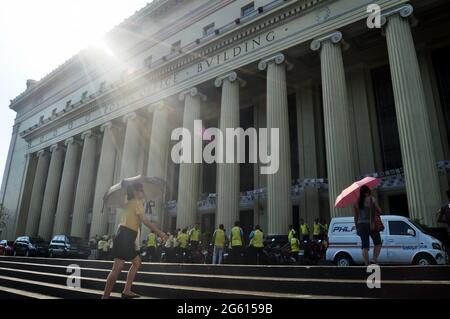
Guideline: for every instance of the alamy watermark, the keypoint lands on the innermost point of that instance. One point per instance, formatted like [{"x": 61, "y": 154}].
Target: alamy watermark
[
  {"x": 374, "y": 18},
  {"x": 190, "y": 149},
  {"x": 374, "y": 279},
  {"x": 74, "y": 278}
]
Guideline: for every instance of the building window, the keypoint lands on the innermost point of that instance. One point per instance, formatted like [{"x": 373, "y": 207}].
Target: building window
[
  {"x": 248, "y": 9},
  {"x": 175, "y": 47},
  {"x": 148, "y": 61},
  {"x": 209, "y": 29}
]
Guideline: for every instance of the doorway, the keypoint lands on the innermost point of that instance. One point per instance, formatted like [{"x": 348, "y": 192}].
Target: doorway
[{"x": 398, "y": 205}]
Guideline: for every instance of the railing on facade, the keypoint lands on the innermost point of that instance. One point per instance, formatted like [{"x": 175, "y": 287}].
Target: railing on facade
[{"x": 390, "y": 180}]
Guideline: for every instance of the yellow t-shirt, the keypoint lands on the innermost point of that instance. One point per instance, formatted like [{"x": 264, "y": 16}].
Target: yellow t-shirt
[
  {"x": 183, "y": 239},
  {"x": 130, "y": 216}
]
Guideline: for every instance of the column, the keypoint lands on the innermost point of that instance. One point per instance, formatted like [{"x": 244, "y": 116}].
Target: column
[
  {"x": 279, "y": 203},
  {"x": 309, "y": 202},
  {"x": 336, "y": 119},
  {"x": 37, "y": 195},
  {"x": 131, "y": 147},
  {"x": 130, "y": 154},
  {"x": 105, "y": 179},
  {"x": 157, "y": 154},
  {"x": 51, "y": 192},
  {"x": 67, "y": 188},
  {"x": 188, "y": 186},
  {"x": 364, "y": 157},
  {"x": 85, "y": 185},
  {"x": 21, "y": 220},
  {"x": 435, "y": 115},
  {"x": 228, "y": 187},
  {"x": 419, "y": 161}
]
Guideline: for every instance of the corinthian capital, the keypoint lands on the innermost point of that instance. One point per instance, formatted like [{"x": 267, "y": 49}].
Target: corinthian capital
[
  {"x": 87, "y": 134},
  {"x": 405, "y": 11},
  {"x": 231, "y": 77},
  {"x": 335, "y": 37},
  {"x": 105, "y": 126},
  {"x": 192, "y": 92},
  {"x": 129, "y": 116},
  {"x": 278, "y": 58}
]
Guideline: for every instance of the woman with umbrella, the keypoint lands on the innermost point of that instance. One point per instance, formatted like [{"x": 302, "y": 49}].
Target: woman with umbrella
[
  {"x": 367, "y": 212},
  {"x": 124, "y": 248}
]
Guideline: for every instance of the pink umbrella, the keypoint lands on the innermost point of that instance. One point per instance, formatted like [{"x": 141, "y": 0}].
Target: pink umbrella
[{"x": 350, "y": 195}]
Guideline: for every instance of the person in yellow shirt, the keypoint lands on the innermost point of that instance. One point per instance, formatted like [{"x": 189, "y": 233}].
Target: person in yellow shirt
[
  {"x": 316, "y": 229},
  {"x": 219, "y": 238},
  {"x": 236, "y": 242},
  {"x": 152, "y": 246},
  {"x": 304, "y": 230},
  {"x": 194, "y": 236},
  {"x": 183, "y": 239},
  {"x": 292, "y": 232},
  {"x": 295, "y": 247},
  {"x": 256, "y": 244},
  {"x": 124, "y": 248}
]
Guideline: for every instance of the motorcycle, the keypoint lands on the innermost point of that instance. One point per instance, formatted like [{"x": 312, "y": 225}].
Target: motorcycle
[{"x": 311, "y": 252}]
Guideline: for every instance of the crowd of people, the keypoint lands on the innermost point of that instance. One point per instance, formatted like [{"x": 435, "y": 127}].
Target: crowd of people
[{"x": 191, "y": 245}]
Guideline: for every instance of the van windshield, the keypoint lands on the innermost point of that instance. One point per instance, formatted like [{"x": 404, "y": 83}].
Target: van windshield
[{"x": 418, "y": 226}]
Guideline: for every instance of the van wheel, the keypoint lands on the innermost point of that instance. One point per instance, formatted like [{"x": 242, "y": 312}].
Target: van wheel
[
  {"x": 343, "y": 260},
  {"x": 424, "y": 260}
]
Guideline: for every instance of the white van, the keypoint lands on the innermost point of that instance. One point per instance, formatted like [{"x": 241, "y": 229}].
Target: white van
[{"x": 403, "y": 242}]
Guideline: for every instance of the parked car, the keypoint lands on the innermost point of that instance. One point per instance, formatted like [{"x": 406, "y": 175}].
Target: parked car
[
  {"x": 403, "y": 242},
  {"x": 69, "y": 247},
  {"x": 30, "y": 246},
  {"x": 6, "y": 247}
]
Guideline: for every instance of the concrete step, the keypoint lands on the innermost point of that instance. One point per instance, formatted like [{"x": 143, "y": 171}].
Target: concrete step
[
  {"x": 251, "y": 285},
  {"x": 49, "y": 276},
  {"x": 12, "y": 293},
  {"x": 318, "y": 272},
  {"x": 45, "y": 281},
  {"x": 45, "y": 290}
]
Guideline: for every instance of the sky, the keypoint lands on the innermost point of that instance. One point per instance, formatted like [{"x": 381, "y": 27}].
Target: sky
[{"x": 37, "y": 36}]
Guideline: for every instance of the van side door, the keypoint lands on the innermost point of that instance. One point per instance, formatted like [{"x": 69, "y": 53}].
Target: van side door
[{"x": 402, "y": 242}]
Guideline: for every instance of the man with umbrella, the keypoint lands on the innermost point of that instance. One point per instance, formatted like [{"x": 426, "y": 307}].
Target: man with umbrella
[{"x": 124, "y": 248}]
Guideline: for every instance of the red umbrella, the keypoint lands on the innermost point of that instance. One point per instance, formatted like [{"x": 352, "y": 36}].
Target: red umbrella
[{"x": 350, "y": 195}]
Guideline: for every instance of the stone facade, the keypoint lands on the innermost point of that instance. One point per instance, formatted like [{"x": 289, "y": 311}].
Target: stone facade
[{"x": 306, "y": 67}]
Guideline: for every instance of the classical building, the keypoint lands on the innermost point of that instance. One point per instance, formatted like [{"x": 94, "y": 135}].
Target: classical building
[{"x": 349, "y": 96}]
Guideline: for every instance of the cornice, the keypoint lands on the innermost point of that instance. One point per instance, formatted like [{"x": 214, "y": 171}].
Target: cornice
[
  {"x": 286, "y": 15},
  {"x": 163, "y": 67}
]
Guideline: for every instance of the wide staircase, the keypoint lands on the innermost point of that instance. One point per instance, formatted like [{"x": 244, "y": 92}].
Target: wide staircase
[{"x": 23, "y": 277}]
